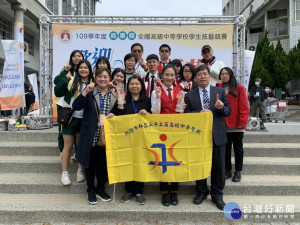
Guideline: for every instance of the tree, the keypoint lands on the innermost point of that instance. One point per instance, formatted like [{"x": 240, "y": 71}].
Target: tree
[
  {"x": 262, "y": 63},
  {"x": 281, "y": 66},
  {"x": 294, "y": 59}
]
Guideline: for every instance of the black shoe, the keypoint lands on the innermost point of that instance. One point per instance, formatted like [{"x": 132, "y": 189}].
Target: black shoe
[
  {"x": 92, "y": 197},
  {"x": 126, "y": 197},
  {"x": 237, "y": 176},
  {"x": 140, "y": 199},
  {"x": 199, "y": 198},
  {"x": 228, "y": 175},
  {"x": 174, "y": 199},
  {"x": 219, "y": 203},
  {"x": 165, "y": 200},
  {"x": 100, "y": 193}
]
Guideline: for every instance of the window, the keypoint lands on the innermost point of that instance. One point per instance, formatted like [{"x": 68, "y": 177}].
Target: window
[
  {"x": 66, "y": 7},
  {"x": 52, "y": 5},
  {"x": 5, "y": 29},
  {"x": 277, "y": 22},
  {"x": 77, "y": 6},
  {"x": 30, "y": 40},
  {"x": 256, "y": 34},
  {"x": 297, "y": 10}
]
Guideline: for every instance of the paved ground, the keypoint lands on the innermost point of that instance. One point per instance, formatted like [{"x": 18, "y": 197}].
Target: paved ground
[{"x": 156, "y": 222}]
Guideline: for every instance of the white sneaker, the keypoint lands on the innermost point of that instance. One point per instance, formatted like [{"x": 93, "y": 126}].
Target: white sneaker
[
  {"x": 80, "y": 176},
  {"x": 65, "y": 180}
]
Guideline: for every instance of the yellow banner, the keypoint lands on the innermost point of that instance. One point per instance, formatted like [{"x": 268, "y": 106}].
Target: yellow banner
[{"x": 159, "y": 147}]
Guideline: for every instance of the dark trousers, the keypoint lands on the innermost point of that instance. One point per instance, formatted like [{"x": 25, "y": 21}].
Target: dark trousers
[
  {"x": 134, "y": 187},
  {"x": 235, "y": 139},
  {"x": 164, "y": 186},
  {"x": 258, "y": 104},
  {"x": 97, "y": 168},
  {"x": 217, "y": 174}
]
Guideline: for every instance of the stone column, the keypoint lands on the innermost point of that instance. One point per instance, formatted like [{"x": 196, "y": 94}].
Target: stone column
[{"x": 19, "y": 36}]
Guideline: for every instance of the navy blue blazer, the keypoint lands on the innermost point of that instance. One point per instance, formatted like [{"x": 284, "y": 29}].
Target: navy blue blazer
[
  {"x": 89, "y": 125},
  {"x": 193, "y": 104}
]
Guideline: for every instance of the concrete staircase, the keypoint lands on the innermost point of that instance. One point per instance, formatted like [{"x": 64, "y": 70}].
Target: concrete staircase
[{"x": 30, "y": 188}]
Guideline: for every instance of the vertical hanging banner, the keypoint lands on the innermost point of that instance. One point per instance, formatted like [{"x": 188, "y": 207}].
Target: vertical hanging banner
[
  {"x": 33, "y": 81},
  {"x": 12, "y": 90},
  {"x": 248, "y": 57},
  {"x": 156, "y": 147},
  {"x": 114, "y": 42}
]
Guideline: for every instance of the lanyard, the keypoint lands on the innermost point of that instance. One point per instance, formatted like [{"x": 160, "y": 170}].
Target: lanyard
[
  {"x": 135, "y": 107},
  {"x": 101, "y": 100}
]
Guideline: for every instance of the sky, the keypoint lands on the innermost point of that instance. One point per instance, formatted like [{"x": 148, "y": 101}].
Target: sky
[{"x": 174, "y": 8}]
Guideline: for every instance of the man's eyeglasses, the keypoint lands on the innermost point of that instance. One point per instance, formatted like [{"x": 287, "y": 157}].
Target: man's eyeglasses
[
  {"x": 205, "y": 52},
  {"x": 137, "y": 51},
  {"x": 164, "y": 51}
]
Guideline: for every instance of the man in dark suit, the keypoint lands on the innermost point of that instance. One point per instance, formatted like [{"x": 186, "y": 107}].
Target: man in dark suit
[{"x": 204, "y": 99}]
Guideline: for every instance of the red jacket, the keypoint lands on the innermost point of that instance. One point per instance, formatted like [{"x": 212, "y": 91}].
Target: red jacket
[{"x": 239, "y": 108}]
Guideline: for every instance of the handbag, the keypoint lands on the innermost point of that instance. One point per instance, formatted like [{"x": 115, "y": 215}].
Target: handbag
[
  {"x": 101, "y": 141},
  {"x": 65, "y": 115}
]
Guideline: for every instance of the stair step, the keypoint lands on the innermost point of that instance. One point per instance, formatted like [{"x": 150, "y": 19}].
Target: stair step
[
  {"x": 29, "y": 148},
  {"x": 46, "y": 135},
  {"x": 52, "y": 164},
  {"x": 291, "y": 150},
  {"x": 50, "y": 183},
  {"x": 74, "y": 208},
  {"x": 278, "y": 132}
]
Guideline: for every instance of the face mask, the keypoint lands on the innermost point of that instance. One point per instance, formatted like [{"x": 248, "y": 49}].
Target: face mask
[
  {"x": 256, "y": 83},
  {"x": 267, "y": 90}
]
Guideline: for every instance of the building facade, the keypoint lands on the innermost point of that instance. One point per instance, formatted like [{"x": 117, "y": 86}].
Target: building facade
[
  {"x": 70, "y": 7},
  {"x": 280, "y": 17},
  {"x": 26, "y": 14}
]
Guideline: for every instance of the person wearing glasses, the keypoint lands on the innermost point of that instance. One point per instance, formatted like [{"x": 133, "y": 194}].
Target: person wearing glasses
[
  {"x": 235, "y": 123},
  {"x": 212, "y": 63},
  {"x": 186, "y": 78},
  {"x": 164, "y": 54},
  {"x": 140, "y": 67}
]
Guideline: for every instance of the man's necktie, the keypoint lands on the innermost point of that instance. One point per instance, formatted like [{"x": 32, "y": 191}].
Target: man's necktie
[
  {"x": 169, "y": 93},
  {"x": 205, "y": 99},
  {"x": 152, "y": 85}
]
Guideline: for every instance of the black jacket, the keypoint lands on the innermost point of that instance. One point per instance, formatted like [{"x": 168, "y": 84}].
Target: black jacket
[{"x": 261, "y": 93}]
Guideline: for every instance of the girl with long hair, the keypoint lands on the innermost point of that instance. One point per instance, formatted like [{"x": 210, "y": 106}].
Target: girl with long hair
[
  {"x": 164, "y": 101},
  {"x": 70, "y": 89},
  {"x": 235, "y": 123}
]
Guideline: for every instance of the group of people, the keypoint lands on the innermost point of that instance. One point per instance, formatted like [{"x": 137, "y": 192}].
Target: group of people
[{"x": 151, "y": 86}]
